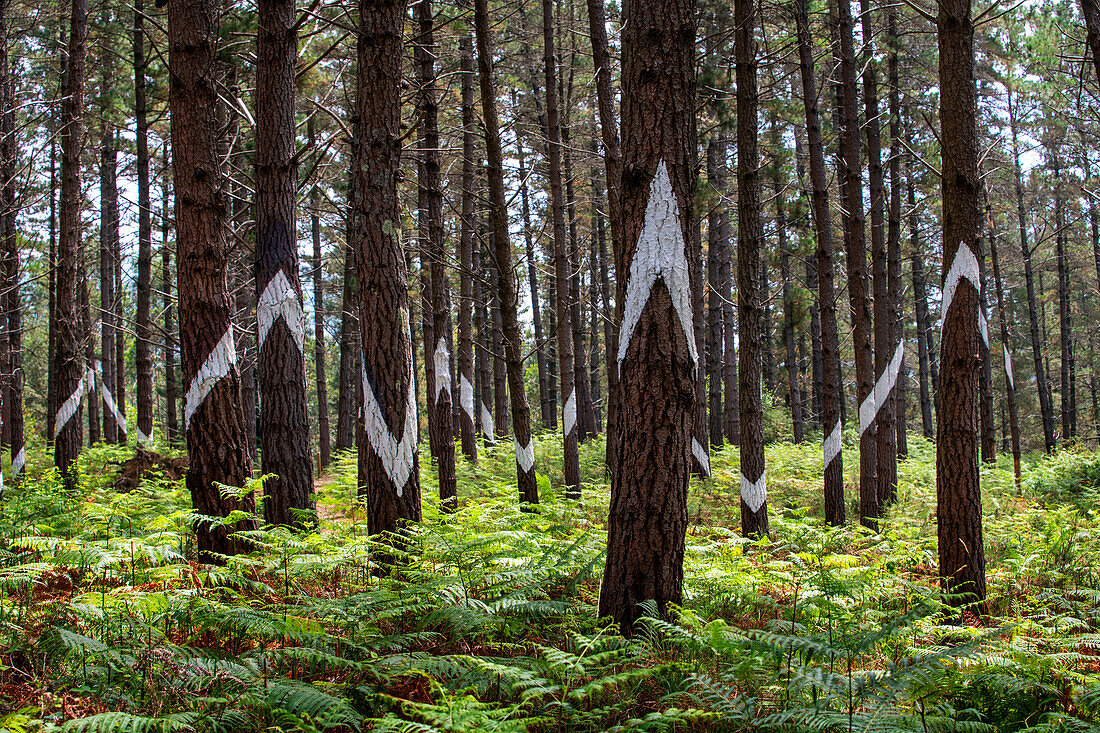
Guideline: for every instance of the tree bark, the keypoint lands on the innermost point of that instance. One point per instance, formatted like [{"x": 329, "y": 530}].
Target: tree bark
[
  {"x": 466, "y": 378},
  {"x": 920, "y": 307},
  {"x": 171, "y": 338},
  {"x": 389, "y": 478},
  {"x": 794, "y": 391},
  {"x": 212, "y": 417},
  {"x": 324, "y": 433},
  {"x": 858, "y": 296},
  {"x": 108, "y": 245},
  {"x": 9, "y": 244},
  {"x": 1046, "y": 409},
  {"x": 657, "y": 357},
  {"x": 513, "y": 343},
  {"x": 347, "y": 404},
  {"x": 893, "y": 248},
  {"x": 832, "y": 389},
  {"x": 1010, "y": 381},
  {"x": 717, "y": 251},
  {"x": 67, "y": 365},
  {"x": 546, "y": 408},
  {"x": 958, "y": 494},
  {"x": 1065, "y": 323},
  {"x": 562, "y": 267},
  {"x": 143, "y": 344},
  {"x": 284, "y": 417},
  {"x": 431, "y": 224}
]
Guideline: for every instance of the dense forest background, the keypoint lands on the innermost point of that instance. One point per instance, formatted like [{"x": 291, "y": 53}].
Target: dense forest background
[{"x": 679, "y": 365}]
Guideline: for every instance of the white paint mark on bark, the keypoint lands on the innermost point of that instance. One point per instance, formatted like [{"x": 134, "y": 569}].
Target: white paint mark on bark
[
  {"x": 69, "y": 407},
  {"x": 18, "y": 462},
  {"x": 965, "y": 265},
  {"x": 396, "y": 455},
  {"x": 525, "y": 456},
  {"x": 868, "y": 411},
  {"x": 1008, "y": 368},
  {"x": 280, "y": 301},
  {"x": 466, "y": 394},
  {"x": 701, "y": 456},
  {"x": 660, "y": 253},
  {"x": 569, "y": 419},
  {"x": 109, "y": 400},
  {"x": 442, "y": 369},
  {"x": 754, "y": 493},
  {"x": 833, "y": 444},
  {"x": 217, "y": 366},
  {"x": 487, "y": 424}
]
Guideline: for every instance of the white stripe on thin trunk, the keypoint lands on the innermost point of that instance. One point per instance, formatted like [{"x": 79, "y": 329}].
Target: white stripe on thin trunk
[
  {"x": 68, "y": 408},
  {"x": 1008, "y": 368},
  {"x": 569, "y": 419},
  {"x": 833, "y": 443},
  {"x": 442, "y": 369},
  {"x": 525, "y": 456},
  {"x": 868, "y": 411},
  {"x": 18, "y": 462},
  {"x": 466, "y": 395},
  {"x": 660, "y": 253},
  {"x": 701, "y": 456},
  {"x": 487, "y": 424}
]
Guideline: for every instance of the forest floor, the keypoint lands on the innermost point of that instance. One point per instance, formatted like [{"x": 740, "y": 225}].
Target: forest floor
[{"x": 489, "y": 622}]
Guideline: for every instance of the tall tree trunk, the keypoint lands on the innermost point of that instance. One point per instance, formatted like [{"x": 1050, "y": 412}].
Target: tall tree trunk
[
  {"x": 347, "y": 402},
  {"x": 143, "y": 345},
  {"x": 431, "y": 224},
  {"x": 324, "y": 434},
  {"x": 832, "y": 390},
  {"x": 513, "y": 342},
  {"x": 751, "y": 278},
  {"x": 484, "y": 381},
  {"x": 958, "y": 494},
  {"x": 389, "y": 477},
  {"x": 987, "y": 437},
  {"x": 920, "y": 308},
  {"x": 612, "y": 158},
  {"x": 1065, "y": 324},
  {"x": 171, "y": 341},
  {"x": 888, "y": 353},
  {"x": 1046, "y": 409},
  {"x": 1010, "y": 381},
  {"x": 894, "y": 287},
  {"x": 500, "y": 363},
  {"x": 9, "y": 244},
  {"x": 657, "y": 355},
  {"x": 67, "y": 366},
  {"x": 87, "y": 339},
  {"x": 466, "y": 378},
  {"x": 108, "y": 234},
  {"x": 212, "y": 415},
  {"x": 562, "y": 265},
  {"x": 858, "y": 297},
  {"x": 717, "y": 227},
  {"x": 546, "y": 408},
  {"x": 794, "y": 391},
  {"x": 281, "y": 332}
]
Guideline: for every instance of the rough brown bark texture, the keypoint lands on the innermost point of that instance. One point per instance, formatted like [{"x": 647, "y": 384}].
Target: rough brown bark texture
[
  {"x": 108, "y": 245},
  {"x": 1010, "y": 379},
  {"x": 212, "y": 415},
  {"x": 466, "y": 378},
  {"x": 349, "y": 385},
  {"x": 958, "y": 494},
  {"x": 859, "y": 298},
  {"x": 832, "y": 389},
  {"x": 430, "y": 217},
  {"x": 67, "y": 365},
  {"x": 281, "y": 365},
  {"x": 171, "y": 337},
  {"x": 143, "y": 344},
  {"x": 389, "y": 478},
  {"x": 651, "y": 455},
  {"x": 562, "y": 267},
  {"x": 324, "y": 434},
  {"x": 9, "y": 244},
  {"x": 546, "y": 407},
  {"x": 506, "y": 290},
  {"x": 717, "y": 251}
]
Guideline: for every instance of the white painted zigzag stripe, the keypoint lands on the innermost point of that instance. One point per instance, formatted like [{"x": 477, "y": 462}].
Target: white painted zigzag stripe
[
  {"x": 487, "y": 424},
  {"x": 569, "y": 418},
  {"x": 754, "y": 493},
  {"x": 868, "y": 411},
  {"x": 466, "y": 395},
  {"x": 1008, "y": 368},
  {"x": 109, "y": 400},
  {"x": 69, "y": 407},
  {"x": 18, "y": 462},
  {"x": 983, "y": 327},
  {"x": 965, "y": 265},
  {"x": 525, "y": 457},
  {"x": 660, "y": 253},
  {"x": 217, "y": 367},
  {"x": 279, "y": 300},
  {"x": 397, "y": 455},
  {"x": 140, "y": 436},
  {"x": 701, "y": 455},
  {"x": 442, "y": 369},
  {"x": 833, "y": 444}
]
